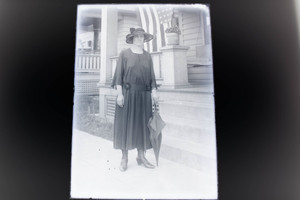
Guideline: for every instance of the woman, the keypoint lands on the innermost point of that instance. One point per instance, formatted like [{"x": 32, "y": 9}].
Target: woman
[{"x": 134, "y": 80}]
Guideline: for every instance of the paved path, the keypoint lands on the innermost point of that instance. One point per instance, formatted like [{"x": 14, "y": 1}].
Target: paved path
[{"x": 95, "y": 174}]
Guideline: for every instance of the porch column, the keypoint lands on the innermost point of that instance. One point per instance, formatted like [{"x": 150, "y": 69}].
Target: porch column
[
  {"x": 174, "y": 66},
  {"x": 109, "y": 39},
  {"x": 96, "y": 25}
]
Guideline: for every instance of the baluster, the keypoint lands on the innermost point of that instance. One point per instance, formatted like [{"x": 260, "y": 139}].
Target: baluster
[
  {"x": 95, "y": 62},
  {"x": 91, "y": 62},
  {"x": 83, "y": 62},
  {"x": 160, "y": 70},
  {"x": 76, "y": 63},
  {"x": 87, "y": 62},
  {"x": 79, "y": 62}
]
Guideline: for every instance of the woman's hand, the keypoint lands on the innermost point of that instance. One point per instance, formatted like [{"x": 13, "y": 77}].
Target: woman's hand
[
  {"x": 120, "y": 97},
  {"x": 154, "y": 97},
  {"x": 120, "y": 100}
]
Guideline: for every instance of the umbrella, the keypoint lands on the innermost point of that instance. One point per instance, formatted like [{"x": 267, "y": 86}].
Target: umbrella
[{"x": 155, "y": 125}]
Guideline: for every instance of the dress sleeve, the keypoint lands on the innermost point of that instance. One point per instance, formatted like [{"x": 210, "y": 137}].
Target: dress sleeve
[
  {"x": 153, "y": 79},
  {"x": 119, "y": 72}
]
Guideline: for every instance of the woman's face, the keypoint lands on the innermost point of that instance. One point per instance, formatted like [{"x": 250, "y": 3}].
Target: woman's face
[{"x": 138, "y": 39}]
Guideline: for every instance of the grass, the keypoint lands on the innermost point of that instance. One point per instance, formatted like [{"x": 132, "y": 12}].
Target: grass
[
  {"x": 95, "y": 125},
  {"x": 87, "y": 121}
]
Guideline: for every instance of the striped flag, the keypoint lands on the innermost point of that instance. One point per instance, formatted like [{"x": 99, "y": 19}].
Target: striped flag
[
  {"x": 154, "y": 19},
  {"x": 165, "y": 14}
]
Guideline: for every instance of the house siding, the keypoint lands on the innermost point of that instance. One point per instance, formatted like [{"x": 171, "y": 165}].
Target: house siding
[
  {"x": 191, "y": 32},
  {"x": 124, "y": 24}
]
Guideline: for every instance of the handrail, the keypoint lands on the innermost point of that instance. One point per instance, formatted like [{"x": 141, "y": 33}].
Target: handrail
[
  {"x": 156, "y": 58},
  {"x": 87, "y": 62}
]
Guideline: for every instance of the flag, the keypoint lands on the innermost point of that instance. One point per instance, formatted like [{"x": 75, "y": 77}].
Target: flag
[
  {"x": 153, "y": 18},
  {"x": 164, "y": 13}
]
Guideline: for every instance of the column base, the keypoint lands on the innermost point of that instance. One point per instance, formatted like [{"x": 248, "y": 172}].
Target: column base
[
  {"x": 174, "y": 67},
  {"x": 104, "y": 92},
  {"x": 104, "y": 84}
]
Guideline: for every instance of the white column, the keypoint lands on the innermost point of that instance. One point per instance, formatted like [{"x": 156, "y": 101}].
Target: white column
[
  {"x": 109, "y": 42},
  {"x": 109, "y": 39},
  {"x": 174, "y": 66}
]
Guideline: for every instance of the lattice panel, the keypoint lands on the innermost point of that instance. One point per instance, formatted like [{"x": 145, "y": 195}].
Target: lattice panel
[
  {"x": 86, "y": 87},
  {"x": 110, "y": 106}
]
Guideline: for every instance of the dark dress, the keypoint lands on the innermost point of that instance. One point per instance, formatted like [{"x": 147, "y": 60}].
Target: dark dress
[{"x": 130, "y": 124}]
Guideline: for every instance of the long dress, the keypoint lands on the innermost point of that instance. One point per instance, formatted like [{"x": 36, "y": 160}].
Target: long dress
[{"x": 130, "y": 123}]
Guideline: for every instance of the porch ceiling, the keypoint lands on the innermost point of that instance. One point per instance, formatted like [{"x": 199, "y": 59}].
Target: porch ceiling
[{"x": 88, "y": 15}]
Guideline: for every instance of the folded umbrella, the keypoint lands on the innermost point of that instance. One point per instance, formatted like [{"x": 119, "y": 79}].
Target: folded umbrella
[{"x": 155, "y": 125}]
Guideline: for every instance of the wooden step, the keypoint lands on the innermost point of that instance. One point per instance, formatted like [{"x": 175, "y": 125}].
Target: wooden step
[
  {"x": 192, "y": 94},
  {"x": 190, "y": 130},
  {"x": 191, "y": 142},
  {"x": 188, "y": 110},
  {"x": 204, "y": 147},
  {"x": 200, "y": 156}
]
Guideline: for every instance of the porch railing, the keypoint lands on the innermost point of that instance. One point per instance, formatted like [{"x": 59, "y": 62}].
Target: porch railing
[
  {"x": 87, "y": 69},
  {"x": 87, "y": 62},
  {"x": 156, "y": 58}
]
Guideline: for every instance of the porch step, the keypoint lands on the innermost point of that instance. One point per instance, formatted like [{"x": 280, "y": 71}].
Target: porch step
[
  {"x": 200, "y": 155},
  {"x": 189, "y": 130},
  {"x": 189, "y": 135},
  {"x": 204, "y": 148},
  {"x": 188, "y": 110},
  {"x": 192, "y": 94},
  {"x": 200, "y": 74}
]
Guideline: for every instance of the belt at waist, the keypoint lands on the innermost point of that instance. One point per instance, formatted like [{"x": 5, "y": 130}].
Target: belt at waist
[{"x": 140, "y": 87}]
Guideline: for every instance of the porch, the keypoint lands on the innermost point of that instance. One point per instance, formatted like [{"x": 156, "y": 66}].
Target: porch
[{"x": 184, "y": 72}]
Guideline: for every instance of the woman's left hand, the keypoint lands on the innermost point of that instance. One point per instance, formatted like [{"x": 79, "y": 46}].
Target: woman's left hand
[{"x": 154, "y": 97}]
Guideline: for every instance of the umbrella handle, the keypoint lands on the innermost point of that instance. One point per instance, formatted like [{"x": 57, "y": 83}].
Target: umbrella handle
[{"x": 155, "y": 107}]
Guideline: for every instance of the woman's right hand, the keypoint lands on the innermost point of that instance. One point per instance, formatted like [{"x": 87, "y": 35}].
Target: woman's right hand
[{"x": 120, "y": 100}]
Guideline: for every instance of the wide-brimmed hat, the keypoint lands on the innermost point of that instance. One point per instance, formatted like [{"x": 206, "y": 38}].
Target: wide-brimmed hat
[{"x": 135, "y": 31}]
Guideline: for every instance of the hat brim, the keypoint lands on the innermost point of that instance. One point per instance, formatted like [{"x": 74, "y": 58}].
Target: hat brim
[{"x": 147, "y": 38}]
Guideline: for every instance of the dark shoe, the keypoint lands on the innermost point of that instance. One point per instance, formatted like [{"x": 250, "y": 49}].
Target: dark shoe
[
  {"x": 145, "y": 162},
  {"x": 123, "y": 165}
]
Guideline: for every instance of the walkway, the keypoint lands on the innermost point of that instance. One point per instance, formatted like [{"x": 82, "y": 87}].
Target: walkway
[{"x": 95, "y": 174}]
